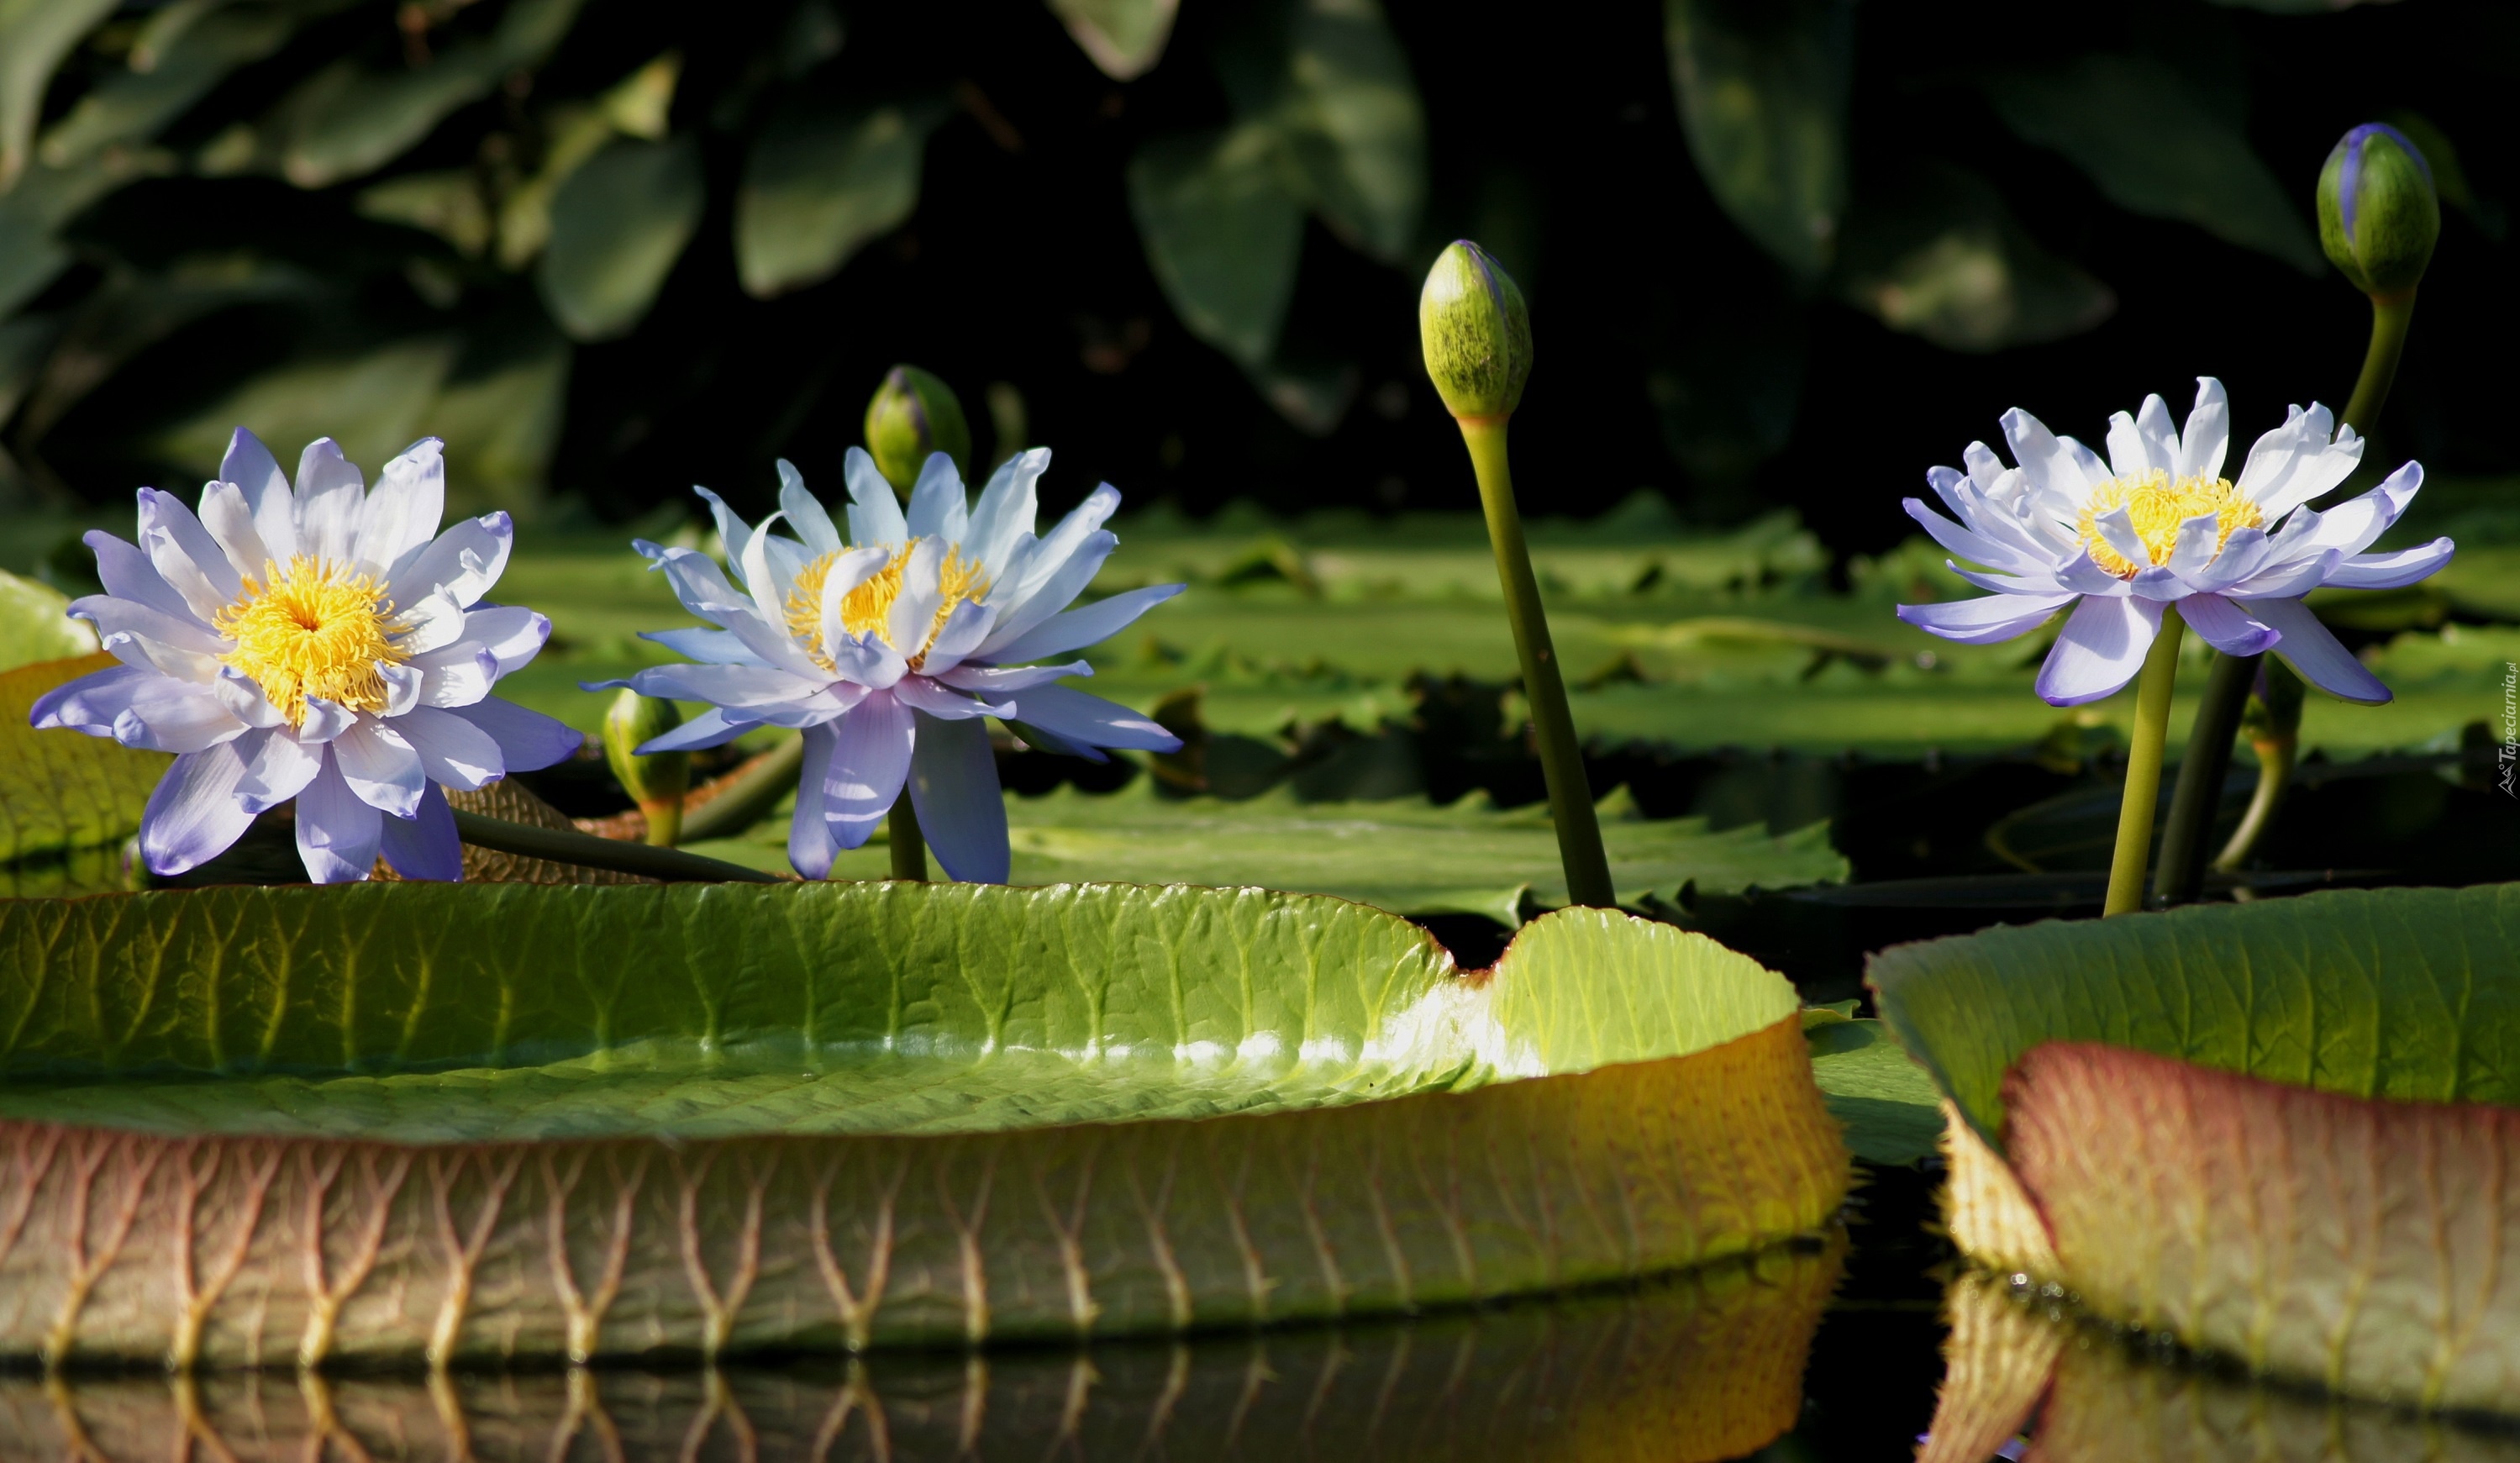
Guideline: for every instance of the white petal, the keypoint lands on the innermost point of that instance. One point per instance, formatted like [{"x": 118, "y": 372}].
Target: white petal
[
  {"x": 805, "y": 511},
  {"x": 1006, "y": 511},
  {"x": 1074, "y": 629},
  {"x": 325, "y": 720},
  {"x": 430, "y": 622},
  {"x": 869, "y": 760},
  {"x": 1051, "y": 558},
  {"x": 926, "y": 697},
  {"x": 400, "y": 516},
  {"x": 2389, "y": 571},
  {"x": 457, "y": 676},
  {"x": 250, "y": 465},
  {"x": 186, "y": 555},
  {"x": 2287, "y": 580},
  {"x": 194, "y": 815},
  {"x": 964, "y": 630},
  {"x": 89, "y": 703},
  {"x": 2227, "y": 626},
  {"x": 743, "y": 687},
  {"x": 451, "y": 749},
  {"x": 710, "y": 728},
  {"x": 337, "y": 830},
  {"x": 913, "y": 608},
  {"x": 2160, "y": 438},
  {"x": 2101, "y": 649},
  {"x": 874, "y": 512},
  {"x": 2207, "y": 436},
  {"x": 406, "y": 687},
  {"x": 2199, "y": 539},
  {"x": 1091, "y": 720},
  {"x": 127, "y": 575},
  {"x": 1980, "y": 621},
  {"x": 120, "y": 616},
  {"x": 380, "y": 767},
  {"x": 2309, "y": 648},
  {"x": 465, "y": 561},
  {"x": 2117, "y": 531},
  {"x": 512, "y": 632},
  {"x": 244, "y": 698},
  {"x": 810, "y": 845},
  {"x": 424, "y": 845},
  {"x": 717, "y": 647},
  {"x": 528, "y": 741},
  {"x": 937, "y": 507},
  {"x": 1047, "y": 597},
  {"x": 329, "y": 501},
  {"x": 733, "y": 533},
  {"x": 1968, "y": 544},
  {"x": 277, "y": 767},
  {"x": 230, "y": 520},
  {"x": 846, "y": 573},
  {"x": 954, "y": 789}
]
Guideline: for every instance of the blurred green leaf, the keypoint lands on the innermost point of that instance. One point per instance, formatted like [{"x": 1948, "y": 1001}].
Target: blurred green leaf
[
  {"x": 618, "y": 224},
  {"x": 1222, "y": 233},
  {"x": 1123, "y": 38},
  {"x": 34, "y": 36},
  {"x": 446, "y": 202},
  {"x": 639, "y": 106},
  {"x": 346, "y": 119},
  {"x": 34, "y": 211},
  {"x": 1762, "y": 91},
  {"x": 501, "y": 420},
  {"x": 60, "y": 790},
  {"x": 2155, "y": 148},
  {"x": 1937, "y": 255},
  {"x": 163, "y": 80},
  {"x": 1353, "y": 125},
  {"x": 1888, "y": 1103},
  {"x": 818, "y": 186},
  {"x": 373, "y": 405},
  {"x": 35, "y": 624}
]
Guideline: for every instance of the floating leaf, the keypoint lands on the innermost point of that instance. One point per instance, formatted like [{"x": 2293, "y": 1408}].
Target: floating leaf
[
  {"x": 1222, "y": 233},
  {"x": 1887, "y": 1102},
  {"x": 2155, "y": 148},
  {"x": 1124, "y": 37},
  {"x": 1405, "y": 855},
  {"x": 60, "y": 790},
  {"x": 1937, "y": 255},
  {"x": 1353, "y": 125},
  {"x": 1701, "y": 1367},
  {"x": 35, "y": 624},
  {"x": 1762, "y": 93},
  {"x": 931, "y": 1115},
  {"x": 819, "y": 186},
  {"x": 617, "y": 226},
  {"x": 2270, "y": 1130}
]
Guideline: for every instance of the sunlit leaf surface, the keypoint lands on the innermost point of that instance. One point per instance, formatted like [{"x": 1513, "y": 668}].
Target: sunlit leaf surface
[{"x": 60, "y": 791}]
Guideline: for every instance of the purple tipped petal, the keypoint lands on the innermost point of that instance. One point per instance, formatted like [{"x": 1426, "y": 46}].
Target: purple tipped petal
[
  {"x": 954, "y": 787},
  {"x": 994, "y": 680},
  {"x": 424, "y": 845},
  {"x": 2101, "y": 649},
  {"x": 1074, "y": 629},
  {"x": 380, "y": 767},
  {"x": 465, "y": 561},
  {"x": 2309, "y": 648},
  {"x": 1091, "y": 720},
  {"x": 127, "y": 575},
  {"x": 711, "y": 646},
  {"x": 924, "y": 695},
  {"x": 195, "y": 814},
  {"x": 2227, "y": 626},
  {"x": 401, "y": 518},
  {"x": 710, "y": 728},
  {"x": 186, "y": 555},
  {"x": 451, "y": 749},
  {"x": 329, "y": 495},
  {"x": 338, "y": 831},
  {"x": 277, "y": 767},
  {"x": 512, "y": 632},
  {"x": 2207, "y": 437},
  {"x": 869, "y": 761},
  {"x": 528, "y": 741},
  {"x": 1988, "y": 620},
  {"x": 91, "y": 702},
  {"x": 810, "y": 845},
  {"x": 2391, "y": 571}
]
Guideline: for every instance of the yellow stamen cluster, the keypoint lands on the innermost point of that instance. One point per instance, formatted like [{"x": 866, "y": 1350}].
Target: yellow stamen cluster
[
  {"x": 312, "y": 628},
  {"x": 2156, "y": 506},
  {"x": 869, "y": 607}
]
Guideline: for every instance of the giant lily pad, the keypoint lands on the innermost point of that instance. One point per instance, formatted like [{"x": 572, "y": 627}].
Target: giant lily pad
[
  {"x": 2280, "y": 1131},
  {"x": 462, "y": 1122},
  {"x": 60, "y": 791}
]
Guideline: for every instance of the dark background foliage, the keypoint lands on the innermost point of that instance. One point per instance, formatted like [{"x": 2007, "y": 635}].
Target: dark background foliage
[{"x": 191, "y": 257}]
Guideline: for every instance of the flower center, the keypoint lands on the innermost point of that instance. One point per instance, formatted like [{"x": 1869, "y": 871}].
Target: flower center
[
  {"x": 2157, "y": 505},
  {"x": 868, "y": 609},
  {"x": 313, "y": 628}
]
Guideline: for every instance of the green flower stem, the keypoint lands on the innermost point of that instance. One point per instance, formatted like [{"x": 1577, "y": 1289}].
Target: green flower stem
[
  {"x": 909, "y": 845},
  {"x": 1553, "y": 722},
  {"x": 665, "y": 822},
  {"x": 2274, "y": 772},
  {"x": 2143, "y": 766},
  {"x": 586, "y": 850},
  {"x": 2198, "y": 792},
  {"x": 745, "y": 797}
]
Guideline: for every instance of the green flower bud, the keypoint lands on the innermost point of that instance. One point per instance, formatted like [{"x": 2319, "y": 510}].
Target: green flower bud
[
  {"x": 1477, "y": 332},
  {"x": 657, "y": 781},
  {"x": 2378, "y": 213},
  {"x": 912, "y": 414}
]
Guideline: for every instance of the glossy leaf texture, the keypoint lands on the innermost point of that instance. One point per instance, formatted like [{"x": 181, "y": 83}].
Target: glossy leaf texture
[
  {"x": 1353, "y": 125},
  {"x": 35, "y": 624},
  {"x": 632, "y": 1120},
  {"x": 1701, "y": 1367},
  {"x": 1222, "y": 233},
  {"x": 820, "y": 185},
  {"x": 34, "y": 36},
  {"x": 62, "y": 792},
  {"x": 1404, "y": 855},
  {"x": 1762, "y": 91},
  {"x": 2275, "y": 1131},
  {"x": 1123, "y": 38},
  {"x": 2155, "y": 147},
  {"x": 618, "y": 224},
  {"x": 1935, "y": 252}
]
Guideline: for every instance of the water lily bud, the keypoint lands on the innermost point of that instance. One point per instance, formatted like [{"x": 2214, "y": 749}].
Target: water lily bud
[
  {"x": 912, "y": 414},
  {"x": 657, "y": 781},
  {"x": 2378, "y": 213},
  {"x": 1477, "y": 332}
]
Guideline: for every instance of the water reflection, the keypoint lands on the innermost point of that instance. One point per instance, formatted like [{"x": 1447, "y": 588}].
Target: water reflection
[
  {"x": 1693, "y": 1368},
  {"x": 2085, "y": 1396}
]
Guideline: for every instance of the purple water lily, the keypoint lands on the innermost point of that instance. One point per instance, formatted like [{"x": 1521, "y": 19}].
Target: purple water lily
[
  {"x": 326, "y": 644},
  {"x": 2156, "y": 525},
  {"x": 888, "y": 649}
]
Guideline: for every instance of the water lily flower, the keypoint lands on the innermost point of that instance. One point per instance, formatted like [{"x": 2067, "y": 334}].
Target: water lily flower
[
  {"x": 887, "y": 648},
  {"x": 326, "y": 644},
  {"x": 2157, "y": 524}
]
